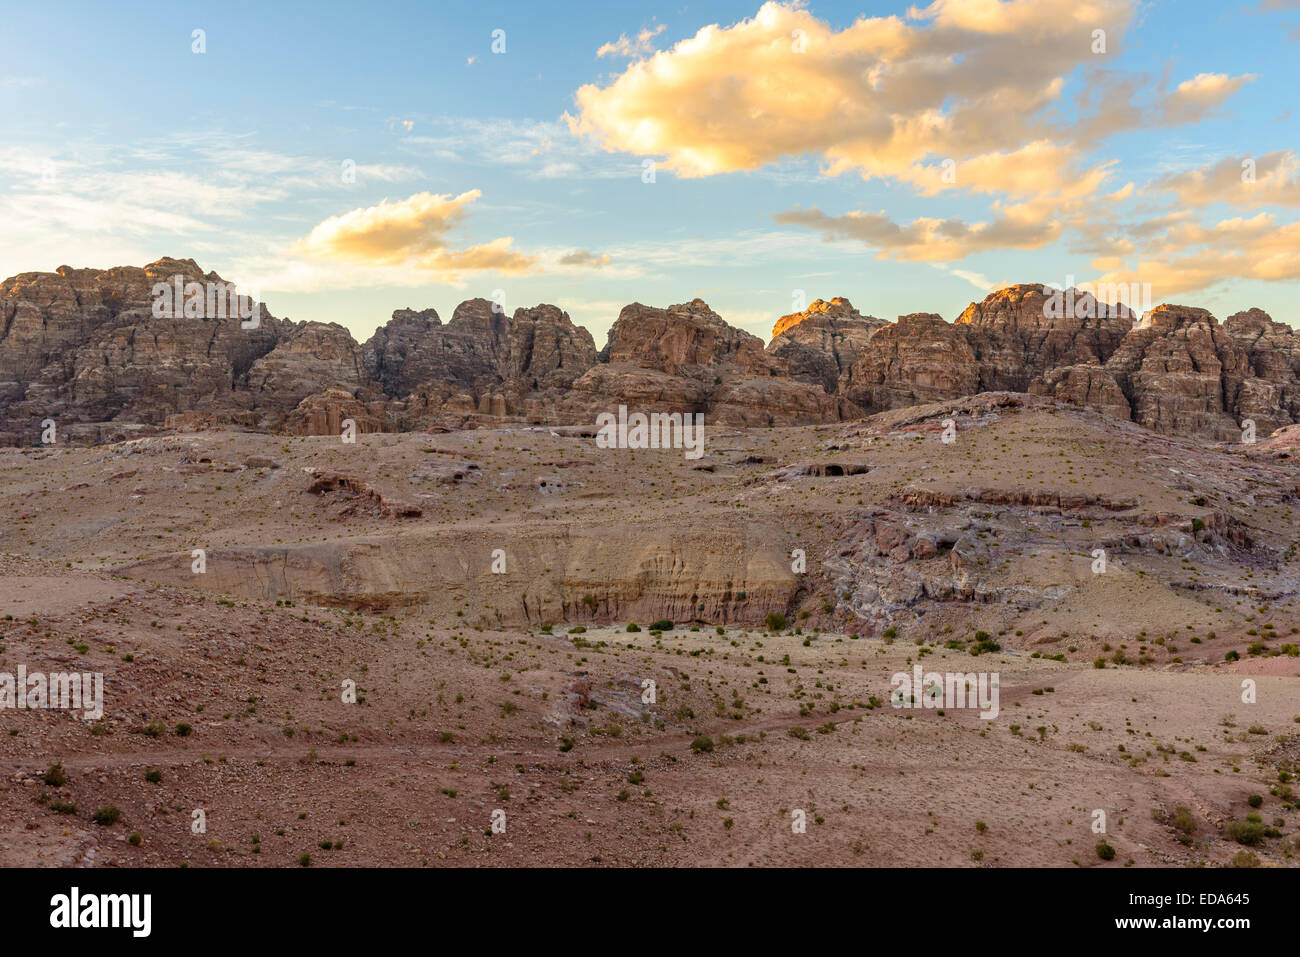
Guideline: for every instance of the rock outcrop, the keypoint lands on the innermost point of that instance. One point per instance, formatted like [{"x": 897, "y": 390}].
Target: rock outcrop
[
  {"x": 821, "y": 343},
  {"x": 1019, "y": 333},
  {"x": 687, "y": 359},
  {"x": 90, "y": 350},
  {"x": 84, "y": 345},
  {"x": 480, "y": 364},
  {"x": 920, "y": 358},
  {"x": 1171, "y": 366}
]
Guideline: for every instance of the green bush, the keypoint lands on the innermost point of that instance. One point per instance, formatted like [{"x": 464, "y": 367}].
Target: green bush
[
  {"x": 1105, "y": 851},
  {"x": 775, "y": 621},
  {"x": 663, "y": 624},
  {"x": 106, "y": 815},
  {"x": 1249, "y": 833},
  {"x": 702, "y": 745}
]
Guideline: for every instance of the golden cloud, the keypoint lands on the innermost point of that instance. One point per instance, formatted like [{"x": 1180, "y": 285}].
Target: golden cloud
[
  {"x": 643, "y": 43},
  {"x": 410, "y": 232},
  {"x": 1271, "y": 180},
  {"x": 957, "y": 79},
  {"x": 1189, "y": 257},
  {"x": 582, "y": 257},
  {"x": 925, "y": 239}
]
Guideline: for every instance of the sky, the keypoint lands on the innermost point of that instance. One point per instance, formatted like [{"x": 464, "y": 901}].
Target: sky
[{"x": 344, "y": 160}]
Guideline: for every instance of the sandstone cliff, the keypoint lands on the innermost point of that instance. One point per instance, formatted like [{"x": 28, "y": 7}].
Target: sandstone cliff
[
  {"x": 822, "y": 342},
  {"x": 87, "y": 348}
]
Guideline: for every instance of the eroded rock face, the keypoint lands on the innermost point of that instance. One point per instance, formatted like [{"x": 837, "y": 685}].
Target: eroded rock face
[
  {"x": 686, "y": 358},
  {"x": 548, "y": 353},
  {"x": 684, "y": 339},
  {"x": 822, "y": 342},
  {"x": 325, "y": 412},
  {"x": 84, "y": 345},
  {"x": 1087, "y": 385},
  {"x": 480, "y": 363},
  {"x": 405, "y": 353},
  {"x": 313, "y": 357},
  {"x": 1171, "y": 367},
  {"x": 919, "y": 358},
  {"x": 1267, "y": 388},
  {"x": 1020, "y": 333}
]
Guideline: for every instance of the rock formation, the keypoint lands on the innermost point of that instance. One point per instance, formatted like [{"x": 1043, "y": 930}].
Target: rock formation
[
  {"x": 822, "y": 342},
  {"x": 1020, "y": 332},
  {"x": 920, "y": 358},
  {"x": 84, "y": 345},
  {"x": 480, "y": 364},
  {"x": 89, "y": 349},
  {"x": 687, "y": 359}
]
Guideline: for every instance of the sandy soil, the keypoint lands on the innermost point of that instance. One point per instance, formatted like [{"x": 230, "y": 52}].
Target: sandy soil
[{"x": 476, "y": 694}]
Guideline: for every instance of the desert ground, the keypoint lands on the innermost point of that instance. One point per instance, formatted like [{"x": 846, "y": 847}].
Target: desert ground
[{"x": 478, "y": 587}]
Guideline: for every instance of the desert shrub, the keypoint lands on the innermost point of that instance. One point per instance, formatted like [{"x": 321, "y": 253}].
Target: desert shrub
[
  {"x": 702, "y": 745},
  {"x": 663, "y": 624},
  {"x": 1105, "y": 851},
  {"x": 1182, "y": 820},
  {"x": 1249, "y": 833},
  {"x": 106, "y": 815},
  {"x": 775, "y": 621}
]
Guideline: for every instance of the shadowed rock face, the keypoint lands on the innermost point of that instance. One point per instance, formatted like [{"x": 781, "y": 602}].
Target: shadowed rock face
[
  {"x": 84, "y": 348},
  {"x": 920, "y": 358},
  {"x": 822, "y": 342},
  {"x": 686, "y": 358},
  {"x": 684, "y": 339},
  {"x": 83, "y": 345},
  {"x": 479, "y": 363},
  {"x": 1019, "y": 333},
  {"x": 1171, "y": 366}
]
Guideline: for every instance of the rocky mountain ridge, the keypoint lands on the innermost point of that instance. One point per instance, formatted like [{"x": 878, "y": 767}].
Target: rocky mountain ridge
[{"x": 87, "y": 349}]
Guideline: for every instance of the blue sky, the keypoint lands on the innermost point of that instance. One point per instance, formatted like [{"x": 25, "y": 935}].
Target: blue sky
[{"x": 124, "y": 145}]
